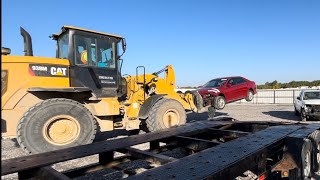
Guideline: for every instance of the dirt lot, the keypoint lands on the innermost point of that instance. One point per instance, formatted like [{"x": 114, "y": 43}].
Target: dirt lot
[{"x": 241, "y": 112}]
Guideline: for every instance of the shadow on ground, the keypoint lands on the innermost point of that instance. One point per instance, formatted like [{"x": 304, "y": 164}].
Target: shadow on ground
[
  {"x": 288, "y": 115},
  {"x": 112, "y": 134},
  {"x": 192, "y": 117}
]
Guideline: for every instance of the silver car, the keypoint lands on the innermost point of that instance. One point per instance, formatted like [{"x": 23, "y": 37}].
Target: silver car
[{"x": 307, "y": 104}]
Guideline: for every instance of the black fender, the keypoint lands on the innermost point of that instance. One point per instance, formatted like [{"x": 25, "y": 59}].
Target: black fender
[
  {"x": 69, "y": 89},
  {"x": 67, "y": 92},
  {"x": 146, "y": 106}
]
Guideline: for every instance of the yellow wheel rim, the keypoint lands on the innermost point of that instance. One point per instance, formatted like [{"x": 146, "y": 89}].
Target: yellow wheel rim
[
  {"x": 61, "y": 130},
  {"x": 171, "y": 118}
]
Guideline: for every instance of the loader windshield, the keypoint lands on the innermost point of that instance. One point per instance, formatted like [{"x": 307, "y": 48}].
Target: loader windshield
[{"x": 94, "y": 51}]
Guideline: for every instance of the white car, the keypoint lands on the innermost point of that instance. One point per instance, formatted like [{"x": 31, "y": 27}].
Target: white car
[{"x": 307, "y": 104}]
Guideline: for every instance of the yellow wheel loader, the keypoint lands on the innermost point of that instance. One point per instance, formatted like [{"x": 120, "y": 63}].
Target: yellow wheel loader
[{"x": 55, "y": 103}]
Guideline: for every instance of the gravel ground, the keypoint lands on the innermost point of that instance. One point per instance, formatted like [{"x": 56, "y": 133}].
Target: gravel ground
[{"x": 241, "y": 112}]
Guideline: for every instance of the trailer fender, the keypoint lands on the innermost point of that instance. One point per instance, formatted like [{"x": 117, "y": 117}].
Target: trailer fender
[{"x": 146, "y": 106}]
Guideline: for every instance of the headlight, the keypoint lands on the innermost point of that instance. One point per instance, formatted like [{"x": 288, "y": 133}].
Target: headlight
[
  {"x": 4, "y": 81},
  {"x": 307, "y": 108}
]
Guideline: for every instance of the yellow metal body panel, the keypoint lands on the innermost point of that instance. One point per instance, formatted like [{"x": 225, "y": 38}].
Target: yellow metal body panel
[
  {"x": 104, "y": 107},
  {"x": 19, "y": 78},
  {"x": 163, "y": 85},
  {"x": 17, "y": 100}
]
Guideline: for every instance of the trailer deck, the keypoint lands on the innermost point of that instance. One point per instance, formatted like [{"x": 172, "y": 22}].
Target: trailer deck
[{"x": 214, "y": 149}]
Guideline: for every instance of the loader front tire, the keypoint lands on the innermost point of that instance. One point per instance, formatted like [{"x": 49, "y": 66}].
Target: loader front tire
[
  {"x": 55, "y": 124},
  {"x": 164, "y": 114},
  {"x": 197, "y": 99}
]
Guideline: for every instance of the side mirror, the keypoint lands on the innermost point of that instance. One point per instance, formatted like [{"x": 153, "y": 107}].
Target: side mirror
[
  {"x": 124, "y": 44},
  {"x": 298, "y": 98},
  {"x": 124, "y": 47},
  {"x": 228, "y": 85}
]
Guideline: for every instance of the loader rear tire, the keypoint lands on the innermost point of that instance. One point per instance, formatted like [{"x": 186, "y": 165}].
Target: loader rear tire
[
  {"x": 55, "y": 124},
  {"x": 164, "y": 114}
]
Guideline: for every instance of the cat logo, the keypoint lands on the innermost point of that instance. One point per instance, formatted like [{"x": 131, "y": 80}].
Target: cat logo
[{"x": 58, "y": 71}]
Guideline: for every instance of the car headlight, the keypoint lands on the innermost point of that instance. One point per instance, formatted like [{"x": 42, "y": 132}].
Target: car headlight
[
  {"x": 4, "y": 81},
  {"x": 307, "y": 108}
]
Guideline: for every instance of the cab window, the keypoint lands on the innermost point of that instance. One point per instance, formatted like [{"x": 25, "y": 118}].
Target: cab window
[
  {"x": 106, "y": 55},
  {"x": 63, "y": 46},
  {"x": 96, "y": 52}
]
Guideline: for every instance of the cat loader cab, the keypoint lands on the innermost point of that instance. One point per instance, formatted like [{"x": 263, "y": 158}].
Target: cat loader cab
[{"x": 94, "y": 59}]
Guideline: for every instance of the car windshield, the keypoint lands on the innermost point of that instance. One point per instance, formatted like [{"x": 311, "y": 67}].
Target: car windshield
[
  {"x": 311, "y": 95},
  {"x": 215, "y": 83}
]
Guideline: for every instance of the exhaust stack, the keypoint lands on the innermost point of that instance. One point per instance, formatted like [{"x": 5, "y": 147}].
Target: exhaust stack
[{"x": 27, "y": 42}]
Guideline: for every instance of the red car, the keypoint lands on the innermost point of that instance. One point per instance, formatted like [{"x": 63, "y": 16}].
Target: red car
[{"x": 227, "y": 89}]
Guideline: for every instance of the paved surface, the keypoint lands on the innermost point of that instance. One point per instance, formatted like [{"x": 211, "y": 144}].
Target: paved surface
[{"x": 241, "y": 112}]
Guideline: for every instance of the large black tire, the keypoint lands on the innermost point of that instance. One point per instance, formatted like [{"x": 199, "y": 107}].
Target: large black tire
[
  {"x": 197, "y": 99},
  {"x": 220, "y": 102},
  {"x": 161, "y": 113},
  {"x": 55, "y": 124},
  {"x": 315, "y": 140},
  {"x": 306, "y": 154},
  {"x": 249, "y": 96}
]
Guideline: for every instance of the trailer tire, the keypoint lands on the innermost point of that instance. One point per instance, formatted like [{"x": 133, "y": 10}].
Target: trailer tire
[
  {"x": 55, "y": 124},
  {"x": 315, "y": 140},
  {"x": 306, "y": 159},
  {"x": 162, "y": 113}
]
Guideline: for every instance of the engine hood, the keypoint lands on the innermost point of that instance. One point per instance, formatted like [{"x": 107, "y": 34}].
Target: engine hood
[
  {"x": 312, "y": 102},
  {"x": 208, "y": 90}
]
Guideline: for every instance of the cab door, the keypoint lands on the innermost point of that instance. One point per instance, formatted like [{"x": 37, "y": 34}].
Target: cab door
[{"x": 94, "y": 64}]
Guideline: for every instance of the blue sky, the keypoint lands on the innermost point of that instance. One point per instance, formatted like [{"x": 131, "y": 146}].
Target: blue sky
[{"x": 262, "y": 40}]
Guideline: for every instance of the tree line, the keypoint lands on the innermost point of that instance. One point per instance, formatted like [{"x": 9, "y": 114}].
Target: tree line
[{"x": 292, "y": 84}]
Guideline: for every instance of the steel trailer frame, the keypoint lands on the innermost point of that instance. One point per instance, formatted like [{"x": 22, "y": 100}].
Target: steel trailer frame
[{"x": 224, "y": 149}]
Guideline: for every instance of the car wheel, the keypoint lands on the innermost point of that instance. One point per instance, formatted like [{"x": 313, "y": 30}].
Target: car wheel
[
  {"x": 303, "y": 115},
  {"x": 249, "y": 96},
  {"x": 220, "y": 102}
]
